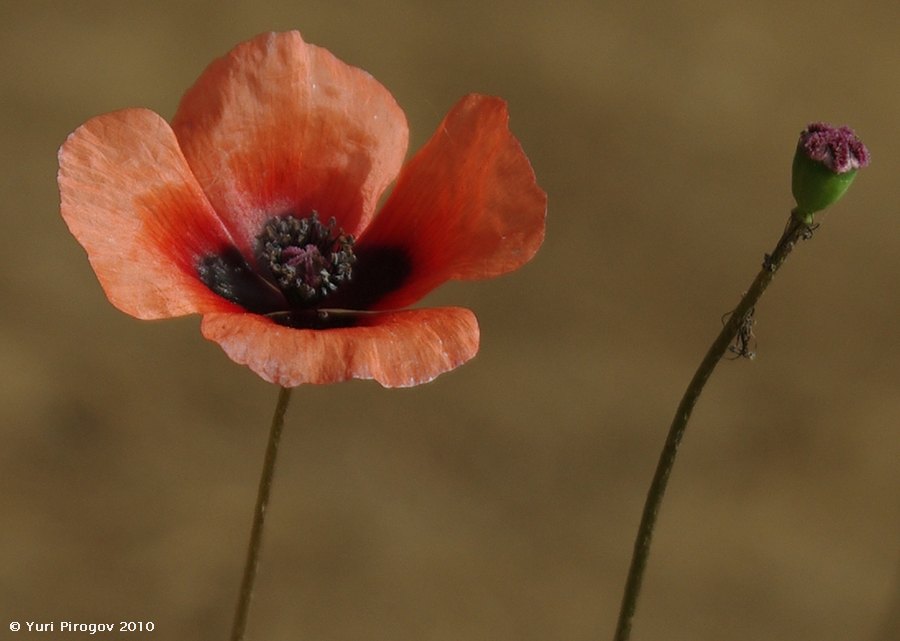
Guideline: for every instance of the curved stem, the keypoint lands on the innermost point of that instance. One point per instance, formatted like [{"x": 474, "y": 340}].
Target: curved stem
[
  {"x": 259, "y": 516},
  {"x": 740, "y": 318}
]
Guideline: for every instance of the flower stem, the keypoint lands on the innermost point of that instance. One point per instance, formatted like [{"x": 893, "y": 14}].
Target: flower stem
[
  {"x": 259, "y": 516},
  {"x": 797, "y": 229}
]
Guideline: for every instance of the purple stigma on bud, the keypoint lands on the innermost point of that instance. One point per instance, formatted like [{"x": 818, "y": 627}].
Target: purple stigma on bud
[{"x": 837, "y": 148}]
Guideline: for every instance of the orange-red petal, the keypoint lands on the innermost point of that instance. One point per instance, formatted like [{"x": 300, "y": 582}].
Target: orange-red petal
[
  {"x": 280, "y": 126},
  {"x": 467, "y": 206},
  {"x": 128, "y": 196},
  {"x": 397, "y": 349}
]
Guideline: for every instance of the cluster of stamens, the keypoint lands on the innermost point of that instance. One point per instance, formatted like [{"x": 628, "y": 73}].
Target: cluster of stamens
[
  {"x": 298, "y": 262},
  {"x": 306, "y": 259}
]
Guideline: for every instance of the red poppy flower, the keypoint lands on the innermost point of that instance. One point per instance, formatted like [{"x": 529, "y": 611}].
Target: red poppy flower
[{"x": 256, "y": 208}]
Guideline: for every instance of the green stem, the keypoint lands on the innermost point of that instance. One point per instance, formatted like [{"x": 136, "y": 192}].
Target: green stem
[
  {"x": 259, "y": 516},
  {"x": 797, "y": 229}
]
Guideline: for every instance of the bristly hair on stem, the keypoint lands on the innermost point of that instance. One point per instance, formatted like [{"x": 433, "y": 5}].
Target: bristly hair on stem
[
  {"x": 259, "y": 516},
  {"x": 734, "y": 328}
]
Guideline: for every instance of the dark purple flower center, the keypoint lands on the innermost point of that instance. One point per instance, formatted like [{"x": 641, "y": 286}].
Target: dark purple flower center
[
  {"x": 306, "y": 274},
  {"x": 306, "y": 259},
  {"x": 299, "y": 262}
]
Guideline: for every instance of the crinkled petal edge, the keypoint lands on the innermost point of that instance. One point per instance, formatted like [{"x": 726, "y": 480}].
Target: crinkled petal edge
[{"x": 397, "y": 348}]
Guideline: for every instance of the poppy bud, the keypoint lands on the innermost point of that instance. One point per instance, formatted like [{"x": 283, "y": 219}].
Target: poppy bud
[{"x": 825, "y": 163}]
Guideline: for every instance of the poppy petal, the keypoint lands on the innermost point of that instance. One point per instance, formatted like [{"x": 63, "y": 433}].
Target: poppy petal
[
  {"x": 397, "y": 349},
  {"x": 280, "y": 126},
  {"x": 467, "y": 206},
  {"x": 128, "y": 196}
]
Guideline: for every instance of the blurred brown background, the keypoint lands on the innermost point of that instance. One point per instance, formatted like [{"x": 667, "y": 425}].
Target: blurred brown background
[{"x": 499, "y": 502}]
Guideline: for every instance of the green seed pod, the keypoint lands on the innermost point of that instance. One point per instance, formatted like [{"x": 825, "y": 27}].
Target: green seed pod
[{"x": 825, "y": 163}]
